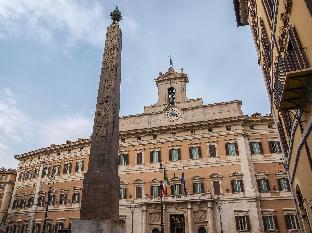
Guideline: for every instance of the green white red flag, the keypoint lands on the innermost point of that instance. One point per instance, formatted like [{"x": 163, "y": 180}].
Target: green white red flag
[{"x": 165, "y": 184}]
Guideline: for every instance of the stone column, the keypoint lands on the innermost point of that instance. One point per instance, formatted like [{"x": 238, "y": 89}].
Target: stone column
[
  {"x": 189, "y": 217},
  {"x": 144, "y": 219},
  {"x": 211, "y": 227}
]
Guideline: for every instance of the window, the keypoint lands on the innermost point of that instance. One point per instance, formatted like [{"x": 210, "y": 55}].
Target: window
[
  {"x": 216, "y": 187},
  {"x": 202, "y": 230},
  {"x": 193, "y": 132},
  {"x": 122, "y": 193},
  {"x": 263, "y": 185},
  {"x": 242, "y": 223},
  {"x": 37, "y": 228},
  {"x": 209, "y": 130},
  {"x": 228, "y": 127},
  {"x": 275, "y": 147},
  {"x": 123, "y": 159},
  {"x": 176, "y": 190},
  {"x": 123, "y": 140},
  {"x": 270, "y": 222},
  {"x": 138, "y": 192},
  {"x": 174, "y": 154},
  {"x": 45, "y": 171},
  {"x": 139, "y": 158},
  {"x": 155, "y": 191},
  {"x": 22, "y": 203},
  {"x": 291, "y": 222},
  {"x": 139, "y": 138},
  {"x": 52, "y": 199},
  {"x": 40, "y": 202},
  {"x": 63, "y": 198},
  {"x": 231, "y": 149},
  {"x": 67, "y": 168},
  {"x": 48, "y": 228},
  {"x": 255, "y": 148},
  {"x": 154, "y": 136},
  {"x": 30, "y": 202},
  {"x": 59, "y": 226},
  {"x": 76, "y": 197},
  {"x": 198, "y": 188},
  {"x": 79, "y": 166},
  {"x": 155, "y": 230},
  {"x": 155, "y": 156},
  {"x": 283, "y": 184},
  {"x": 171, "y": 96},
  {"x": 237, "y": 186},
  {"x": 56, "y": 170},
  {"x": 212, "y": 151},
  {"x": 195, "y": 152}
]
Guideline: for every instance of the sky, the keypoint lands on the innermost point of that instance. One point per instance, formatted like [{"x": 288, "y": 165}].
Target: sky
[{"x": 51, "y": 53}]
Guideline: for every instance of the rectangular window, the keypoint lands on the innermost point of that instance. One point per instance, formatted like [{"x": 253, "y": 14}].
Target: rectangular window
[
  {"x": 275, "y": 147},
  {"x": 45, "y": 171},
  {"x": 56, "y": 170},
  {"x": 237, "y": 186},
  {"x": 216, "y": 187},
  {"x": 63, "y": 199},
  {"x": 176, "y": 189},
  {"x": 123, "y": 193},
  {"x": 138, "y": 192},
  {"x": 270, "y": 222},
  {"x": 139, "y": 158},
  {"x": 155, "y": 192},
  {"x": 123, "y": 159},
  {"x": 212, "y": 151},
  {"x": 155, "y": 156},
  {"x": 283, "y": 184},
  {"x": 67, "y": 168},
  {"x": 255, "y": 148},
  {"x": 174, "y": 154},
  {"x": 231, "y": 149},
  {"x": 263, "y": 185},
  {"x": 198, "y": 188},
  {"x": 291, "y": 222},
  {"x": 37, "y": 228},
  {"x": 79, "y": 166},
  {"x": 242, "y": 223},
  {"x": 195, "y": 152}
]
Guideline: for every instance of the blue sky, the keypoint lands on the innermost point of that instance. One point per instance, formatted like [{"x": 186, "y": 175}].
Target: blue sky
[{"x": 51, "y": 52}]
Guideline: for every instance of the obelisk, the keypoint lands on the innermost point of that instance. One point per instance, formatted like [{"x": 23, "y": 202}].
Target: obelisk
[{"x": 100, "y": 195}]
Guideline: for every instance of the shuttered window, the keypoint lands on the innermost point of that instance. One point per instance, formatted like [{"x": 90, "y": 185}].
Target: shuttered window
[
  {"x": 291, "y": 222},
  {"x": 237, "y": 186},
  {"x": 263, "y": 185},
  {"x": 139, "y": 158},
  {"x": 270, "y": 222},
  {"x": 123, "y": 159},
  {"x": 275, "y": 147},
  {"x": 138, "y": 192},
  {"x": 174, "y": 154},
  {"x": 198, "y": 187},
  {"x": 155, "y": 156},
  {"x": 195, "y": 152},
  {"x": 123, "y": 193},
  {"x": 231, "y": 149},
  {"x": 283, "y": 184},
  {"x": 242, "y": 223},
  {"x": 256, "y": 148},
  {"x": 216, "y": 187}
]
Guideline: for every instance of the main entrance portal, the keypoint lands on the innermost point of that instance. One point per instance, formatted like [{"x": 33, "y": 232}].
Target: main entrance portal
[{"x": 177, "y": 223}]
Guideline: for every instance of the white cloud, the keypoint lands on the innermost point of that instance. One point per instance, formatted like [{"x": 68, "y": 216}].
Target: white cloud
[
  {"x": 20, "y": 133},
  {"x": 77, "y": 20}
]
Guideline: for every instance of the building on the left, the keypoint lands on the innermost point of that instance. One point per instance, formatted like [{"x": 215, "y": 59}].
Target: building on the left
[{"x": 7, "y": 180}]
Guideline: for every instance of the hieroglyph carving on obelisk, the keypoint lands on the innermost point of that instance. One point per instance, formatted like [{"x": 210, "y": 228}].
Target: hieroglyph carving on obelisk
[{"x": 100, "y": 196}]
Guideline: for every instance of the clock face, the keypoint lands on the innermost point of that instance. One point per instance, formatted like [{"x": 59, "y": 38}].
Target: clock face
[{"x": 172, "y": 114}]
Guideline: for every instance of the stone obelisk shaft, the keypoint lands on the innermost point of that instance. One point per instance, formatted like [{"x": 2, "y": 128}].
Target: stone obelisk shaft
[{"x": 100, "y": 196}]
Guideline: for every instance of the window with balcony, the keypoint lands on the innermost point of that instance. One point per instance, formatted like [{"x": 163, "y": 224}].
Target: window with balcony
[
  {"x": 242, "y": 223},
  {"x": 195, "y": 152},
  {"x": 198, "y": 187},
  {"x": 270, "y": 223},
  {"x": 123, "y": 160},
  {"x": 292, "y": 222},
  {"x": 155, "y": 191},
  {"x": 174, "y": 154},
  {"x": 212, "y": 151},
  {"x": 122, "y": 193},
  {"x": 155, "y": 156},
  {"x": 231, "y": 149},
  {"x": 176, "y": 190},
  {"x": 216, "y": 187},
  {"x": 263, "y": 185},
  {"x": 138, "y": 192},
  {"x": 275, "y": 147},
  {"x": 256, "y": 148}
]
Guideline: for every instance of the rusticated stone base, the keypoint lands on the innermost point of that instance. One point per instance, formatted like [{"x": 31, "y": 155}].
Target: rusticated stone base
[{"x": 94, "y": 226}]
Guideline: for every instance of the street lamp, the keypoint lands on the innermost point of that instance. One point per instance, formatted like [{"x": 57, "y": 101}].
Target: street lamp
[
  {"x": 219, "y": 207},
  {"x": 161, "y": 169},
  {"x": 132, "y": 207}
]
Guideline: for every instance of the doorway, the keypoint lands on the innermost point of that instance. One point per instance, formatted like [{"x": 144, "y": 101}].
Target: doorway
[{"x": 177, "y": 223}]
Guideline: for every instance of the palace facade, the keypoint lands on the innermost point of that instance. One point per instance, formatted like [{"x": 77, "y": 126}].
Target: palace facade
[
  {"x": 232, "y": 164},
  {"x": 282, "y": 31}
]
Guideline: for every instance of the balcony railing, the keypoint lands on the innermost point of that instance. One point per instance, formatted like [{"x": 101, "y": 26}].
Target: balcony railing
[{"x": 292, "y": 78}]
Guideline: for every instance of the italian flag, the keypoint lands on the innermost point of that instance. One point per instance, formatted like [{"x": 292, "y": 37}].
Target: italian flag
[{"x": 165, "y": 184}]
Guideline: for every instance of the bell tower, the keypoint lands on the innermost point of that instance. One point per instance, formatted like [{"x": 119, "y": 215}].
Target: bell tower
[{"x": 171, "y": 87}]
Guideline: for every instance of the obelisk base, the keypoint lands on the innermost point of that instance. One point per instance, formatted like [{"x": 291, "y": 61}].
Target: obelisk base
[{"x": 94, "y": 226}]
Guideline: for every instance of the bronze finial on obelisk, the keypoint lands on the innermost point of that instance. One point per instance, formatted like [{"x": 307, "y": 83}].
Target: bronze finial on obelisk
[{"x": 100, "y": 195}]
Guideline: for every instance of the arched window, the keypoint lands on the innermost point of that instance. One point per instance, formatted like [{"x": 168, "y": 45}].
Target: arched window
[
  {"x": 171, "y": 96},
  {"x": 202, "y": 230},
  {"x": 155, "y": 230}
]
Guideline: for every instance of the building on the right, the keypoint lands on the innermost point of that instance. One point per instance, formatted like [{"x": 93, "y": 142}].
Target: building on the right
[{"x": 282, "y": 32}]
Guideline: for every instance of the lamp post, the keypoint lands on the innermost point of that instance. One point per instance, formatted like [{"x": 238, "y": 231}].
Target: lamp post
[
  {"x": 219, "y": 207},
  {"x": 161, "y": 168},
  {"x": 132, "y": 207}
]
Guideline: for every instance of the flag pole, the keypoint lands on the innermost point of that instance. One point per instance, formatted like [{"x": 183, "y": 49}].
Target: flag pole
[{"x": 161, "y": 209}]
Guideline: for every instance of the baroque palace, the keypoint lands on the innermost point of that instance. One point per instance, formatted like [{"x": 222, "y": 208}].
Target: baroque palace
[
  {"x": 232, "y": 165},
  {"x": 282, "y": 32}
]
